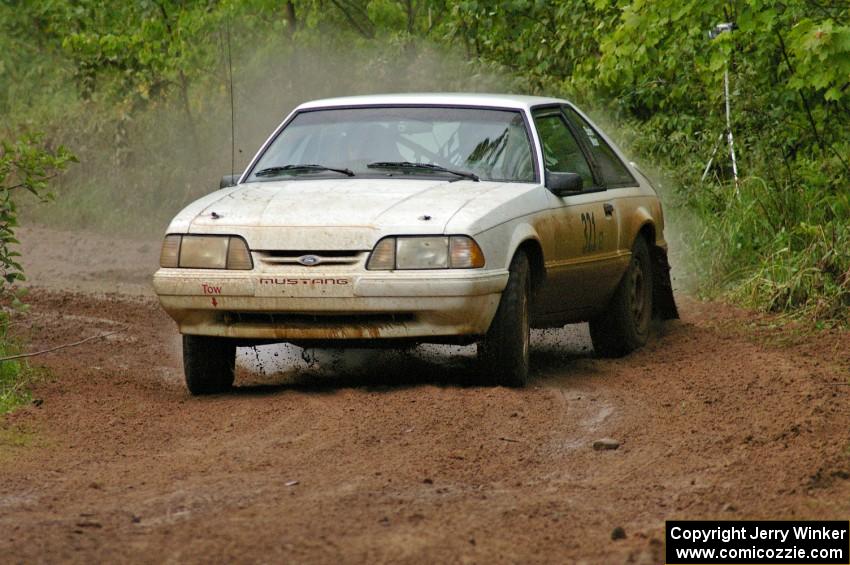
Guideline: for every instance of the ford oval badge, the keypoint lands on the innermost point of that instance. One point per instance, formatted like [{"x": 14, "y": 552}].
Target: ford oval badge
[{"x": 309, "y": 260}]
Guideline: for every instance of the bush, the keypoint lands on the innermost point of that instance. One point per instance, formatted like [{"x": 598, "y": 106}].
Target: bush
[
  {"x": 15, "y": 376},
  {"x": 25, "y": 165}
]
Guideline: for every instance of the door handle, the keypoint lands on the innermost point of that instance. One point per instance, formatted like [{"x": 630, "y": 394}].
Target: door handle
[{"x": 609, "y": 208}]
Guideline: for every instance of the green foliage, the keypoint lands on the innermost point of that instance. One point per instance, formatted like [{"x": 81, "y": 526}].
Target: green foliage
[
  {"x": 820, "y": 53},
  {"x": 547, "y": 43},
  {"x": 783, "y": 251},
  {"x": 14, "y": 375},
  {"x": 780, "y": 241},
  {"x": 24, "y": 165}
]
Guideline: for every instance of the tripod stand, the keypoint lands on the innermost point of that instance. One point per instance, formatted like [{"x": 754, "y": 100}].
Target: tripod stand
[{"x": 723, "y": 28}]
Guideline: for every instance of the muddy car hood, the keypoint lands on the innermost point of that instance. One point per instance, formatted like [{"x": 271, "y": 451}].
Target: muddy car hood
[{"x": 345, "y": 212}]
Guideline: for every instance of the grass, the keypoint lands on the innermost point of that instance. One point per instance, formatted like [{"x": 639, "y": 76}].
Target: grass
[
  {"x": 777, "y": 243},
  {"x": 782, "y": 249},
  {"x": 15, "y": 375}
]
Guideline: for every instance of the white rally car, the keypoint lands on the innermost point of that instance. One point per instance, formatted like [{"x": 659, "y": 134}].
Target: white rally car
[{"x": 442, "y": 218}]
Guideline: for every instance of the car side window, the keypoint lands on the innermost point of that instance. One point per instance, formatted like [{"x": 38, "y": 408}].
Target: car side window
[
  {"x": 561, "y": 151},
  {"x": 614, "y": 173}
]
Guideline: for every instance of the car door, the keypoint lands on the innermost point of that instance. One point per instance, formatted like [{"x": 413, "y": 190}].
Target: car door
[
  {"x": 579, "y": 266},
  {"x": 623, "y": 193}
]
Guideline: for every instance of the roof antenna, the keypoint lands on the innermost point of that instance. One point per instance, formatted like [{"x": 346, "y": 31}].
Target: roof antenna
[{"x": 232, "y": 112}]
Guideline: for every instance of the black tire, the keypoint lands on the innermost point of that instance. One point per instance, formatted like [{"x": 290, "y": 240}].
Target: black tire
[
  {"x": 209, "y": 364},
  {"x": 503, "y": 353},
  {"x": 626, "y": 322}
]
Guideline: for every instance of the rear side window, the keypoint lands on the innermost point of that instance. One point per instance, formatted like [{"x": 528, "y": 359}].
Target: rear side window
[
  {"x": 561, "y": 151},
  {"x": 614, "y": 172}
]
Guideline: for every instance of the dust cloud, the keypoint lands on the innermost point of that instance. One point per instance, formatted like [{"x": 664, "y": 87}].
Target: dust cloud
[{"x": 142, "y": 161}]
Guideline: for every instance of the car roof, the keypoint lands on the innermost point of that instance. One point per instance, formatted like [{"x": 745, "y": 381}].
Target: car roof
[{"x": 512, "y": 101}]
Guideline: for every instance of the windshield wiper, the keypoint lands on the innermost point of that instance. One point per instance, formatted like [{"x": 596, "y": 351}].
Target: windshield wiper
[
  {"x": 271, "y": 171},
  {"x": 421, "y": 167}
]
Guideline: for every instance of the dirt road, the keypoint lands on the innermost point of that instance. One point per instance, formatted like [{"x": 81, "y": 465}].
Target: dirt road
[{"x": 379, "y": 457}]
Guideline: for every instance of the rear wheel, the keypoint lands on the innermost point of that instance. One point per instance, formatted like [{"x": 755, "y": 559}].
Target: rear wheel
[
  {"x": 625, "y": 324},
  {"x": 209, "y": 364},
  {"x": 503, "y": 353}
]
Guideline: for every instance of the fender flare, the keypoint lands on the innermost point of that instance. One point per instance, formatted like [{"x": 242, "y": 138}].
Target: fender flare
[
  {"x": 522, "y": 233},
  {"x": 640, "y": 220}
]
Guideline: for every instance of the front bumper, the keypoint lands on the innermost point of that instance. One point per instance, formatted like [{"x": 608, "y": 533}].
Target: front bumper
[{"x": 326, "y": 305}]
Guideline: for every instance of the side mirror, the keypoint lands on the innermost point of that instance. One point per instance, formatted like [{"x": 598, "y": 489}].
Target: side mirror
[
  {"x": 562, "y": 184},
  {"x": 229, "y": 180}
]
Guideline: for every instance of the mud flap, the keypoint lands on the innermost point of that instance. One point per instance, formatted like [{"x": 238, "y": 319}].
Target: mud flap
[{"x": 663, "y": 303}]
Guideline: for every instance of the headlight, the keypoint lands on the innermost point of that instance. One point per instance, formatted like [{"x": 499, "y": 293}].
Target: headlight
[
  {"x": 422, "y": 253},
  {"x": 170, "y": 253},
  {"x": 205, "y": 252},
  {"x": 430, "y": 252}
]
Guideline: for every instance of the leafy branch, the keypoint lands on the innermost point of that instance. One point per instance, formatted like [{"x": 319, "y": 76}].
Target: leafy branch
[{"x": 29, "y": 165}]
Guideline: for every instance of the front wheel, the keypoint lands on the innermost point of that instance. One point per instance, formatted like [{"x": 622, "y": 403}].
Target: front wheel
[
  {"x": 209, "y": 364},
  {"x": 503, "y": 353},
  {"x": 625, "y": 324}
]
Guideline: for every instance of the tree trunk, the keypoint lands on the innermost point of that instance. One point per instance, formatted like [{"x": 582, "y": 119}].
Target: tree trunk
[{"x": 291, "y": 18}]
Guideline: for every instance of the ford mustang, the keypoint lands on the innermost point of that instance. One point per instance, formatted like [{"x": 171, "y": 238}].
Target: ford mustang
[{"x": 398, "y": 219}]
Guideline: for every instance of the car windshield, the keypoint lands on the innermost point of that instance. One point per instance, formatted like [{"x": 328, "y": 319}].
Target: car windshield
[{"x": 489, "y": 144}]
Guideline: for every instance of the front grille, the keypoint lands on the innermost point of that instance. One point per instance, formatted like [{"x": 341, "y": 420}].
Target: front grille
[
  {"x": 315, "y": 320},
  {"x": 291, "y": 257}
]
